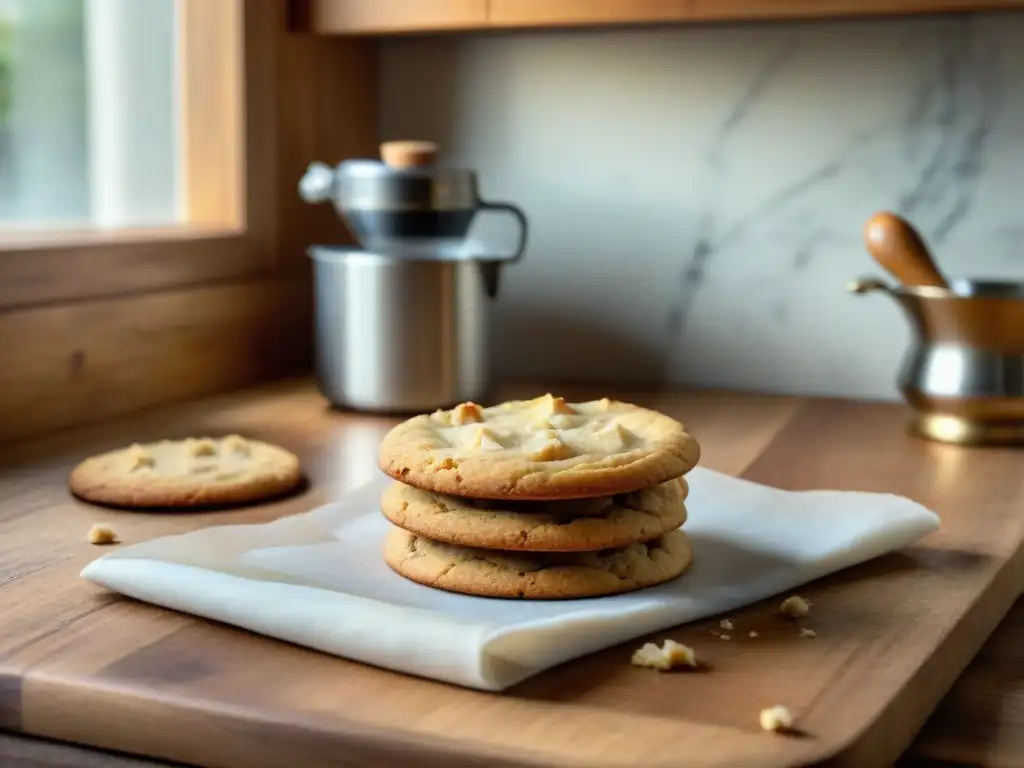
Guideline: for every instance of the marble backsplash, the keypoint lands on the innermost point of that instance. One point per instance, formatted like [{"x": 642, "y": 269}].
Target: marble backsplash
[{"x": 696, "y": 194}]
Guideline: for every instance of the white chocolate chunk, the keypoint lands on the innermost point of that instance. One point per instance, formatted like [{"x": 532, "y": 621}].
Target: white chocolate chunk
[
  {"x": 467, "y": 413},
  {"x": 485, "y": 439},
  {"x": 550, "y": 405}
]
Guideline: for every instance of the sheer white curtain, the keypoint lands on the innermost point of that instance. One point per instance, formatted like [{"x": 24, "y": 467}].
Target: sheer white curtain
[{"x": 87, "y": 129}]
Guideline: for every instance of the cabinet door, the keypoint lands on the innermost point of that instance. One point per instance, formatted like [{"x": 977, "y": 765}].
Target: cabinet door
[
  {"x": 554, "y": 13},
  {"x": 352, "y": 17}
]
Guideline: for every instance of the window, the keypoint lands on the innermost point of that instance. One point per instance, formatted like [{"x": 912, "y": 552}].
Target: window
[
  {"x": 88, "y": 130},
  {"x": 125, "y": 126}
]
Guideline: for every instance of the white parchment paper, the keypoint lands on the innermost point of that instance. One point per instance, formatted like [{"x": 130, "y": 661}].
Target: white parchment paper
[{"x": 319, "y": 580}]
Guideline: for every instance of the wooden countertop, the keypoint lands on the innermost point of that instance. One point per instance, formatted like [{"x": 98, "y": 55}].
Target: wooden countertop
[{"x": 45, "y": 610}]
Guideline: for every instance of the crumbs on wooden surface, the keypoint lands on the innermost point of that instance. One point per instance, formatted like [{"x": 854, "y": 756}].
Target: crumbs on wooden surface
[
  {"x": 777, "y": 719},
  {"x": 805, "y": 632},
  {"x": 752, "y": 633},
  {"x": 665, "y": 657},
  {"x": 726, "y": 625},
  {"x": 795, "y": 607},
  {"x": 102, "y": 533}
]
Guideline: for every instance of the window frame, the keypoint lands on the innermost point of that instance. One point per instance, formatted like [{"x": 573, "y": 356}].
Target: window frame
[{"x": 226, "y": 83}]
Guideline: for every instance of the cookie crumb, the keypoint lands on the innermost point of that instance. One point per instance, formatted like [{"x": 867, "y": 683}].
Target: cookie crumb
[
  {"x": 805, "y": 632},
  {"x": 795, "y": 607},
  {"x": 752, "y": 633},
  {"x": 669, "y": 656},
  {"x": 102, "y": 533},
  {"x": 726, "y": 624},
  {"x": 726, "y": 637},
  {"x": 776, "y": 719}
]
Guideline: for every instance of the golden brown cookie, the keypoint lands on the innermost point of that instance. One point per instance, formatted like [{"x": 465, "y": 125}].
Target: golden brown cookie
[
  {"x": 537, "y": 576},
  {"x": 569, "y": 525},
  {"x": 538, "y": 449},
  {"x": 187, "y": 473}
]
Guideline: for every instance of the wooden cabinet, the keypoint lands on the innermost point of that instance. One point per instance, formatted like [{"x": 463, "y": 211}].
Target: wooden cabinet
[
  {"x": 382, "y": 17},
  {"x": 371, "y": 17},
  {"x": 569, "y": 13}
]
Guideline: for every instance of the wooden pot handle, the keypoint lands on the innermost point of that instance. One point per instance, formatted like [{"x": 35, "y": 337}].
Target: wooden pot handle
[{"x": 897, "y": 247}]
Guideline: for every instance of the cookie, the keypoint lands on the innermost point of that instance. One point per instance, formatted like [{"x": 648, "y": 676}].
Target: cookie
[
  {"x": 539, "y": 526},
  {"x": 537, "y": 576},
  {"x": 196, "y": 472},
  {"x": 540, "y": 449}
]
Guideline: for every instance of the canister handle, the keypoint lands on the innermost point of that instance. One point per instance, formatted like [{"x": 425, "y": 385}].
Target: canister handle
[
  {"x": 520, "y": 217},
  {"x": 317, "y": 184},
  {"x": 868, "y": 285}
]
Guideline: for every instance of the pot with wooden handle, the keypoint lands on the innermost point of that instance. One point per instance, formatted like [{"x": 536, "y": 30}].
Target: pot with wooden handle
[{"x": 964, "y": 373}]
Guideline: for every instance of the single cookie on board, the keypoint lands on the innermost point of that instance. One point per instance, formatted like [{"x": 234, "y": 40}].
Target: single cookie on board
[
  {"x": 537, "y": 576},
  {"x": 187, "y": 473},
  {"x": 539, "y": 449},
  {"x": 569, "y": 525}
]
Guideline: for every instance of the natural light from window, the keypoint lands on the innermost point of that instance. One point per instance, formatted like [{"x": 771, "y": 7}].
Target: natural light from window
[{"x": 88, "y": 115}]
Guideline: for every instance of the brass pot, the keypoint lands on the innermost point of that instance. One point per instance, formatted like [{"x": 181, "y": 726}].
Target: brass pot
[{"x": 964, "y": 375}]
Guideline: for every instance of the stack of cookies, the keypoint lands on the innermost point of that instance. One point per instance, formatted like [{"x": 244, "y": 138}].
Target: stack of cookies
[{"x": 538, "y": 499}]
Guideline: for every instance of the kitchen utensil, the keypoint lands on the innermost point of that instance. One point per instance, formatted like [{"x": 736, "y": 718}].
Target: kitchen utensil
[
  {"x": 897, "y": 246},
  {"x": 400, "y": 334},
  {"x": 407, "y": 204},
  {"x": 964, "y": 373}
]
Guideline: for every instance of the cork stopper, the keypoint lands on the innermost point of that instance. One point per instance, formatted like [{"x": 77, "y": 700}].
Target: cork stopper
[{"x": 408, "y": 154}]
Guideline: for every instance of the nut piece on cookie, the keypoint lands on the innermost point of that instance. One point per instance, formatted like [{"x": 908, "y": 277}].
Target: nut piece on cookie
[
  {"x": 777, "y": 719},
  {"x": 237, "y": 444},
  {"x": 485, "y": 439},
  {"x": 669, "y": 656},
  {"x": 604, "y": 404},
  {"x": 140, "y": 458},
  {"x": 201, "y": 447},
  {"x": 102, "y": 533},
  {"x": 467, "y": 413},
  {"x": 795, "y": 607}
]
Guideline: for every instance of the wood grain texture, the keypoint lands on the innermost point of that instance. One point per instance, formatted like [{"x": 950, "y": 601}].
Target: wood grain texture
[
  {"x": 981, "y": 721},
  {"x": 25, "y": 752},
  {"x": 565, "y": 13},
  {"x": 89, "y": 361},
  {"x": 362, "y": 17},
  {"x": 356, "y": 17},
  {"x": 80, "y": 664},
  {"x": 326, "y": 110}
]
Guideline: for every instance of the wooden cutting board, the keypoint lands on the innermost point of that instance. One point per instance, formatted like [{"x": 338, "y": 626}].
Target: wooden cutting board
[{"x": 80, "y": 664}]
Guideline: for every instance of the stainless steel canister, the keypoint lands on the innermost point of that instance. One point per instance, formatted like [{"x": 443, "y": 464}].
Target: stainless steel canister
[{"x": 399, "y": 335}]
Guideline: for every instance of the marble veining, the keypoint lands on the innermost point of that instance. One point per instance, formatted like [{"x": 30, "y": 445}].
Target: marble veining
[{"x": 696, "y": 195}]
